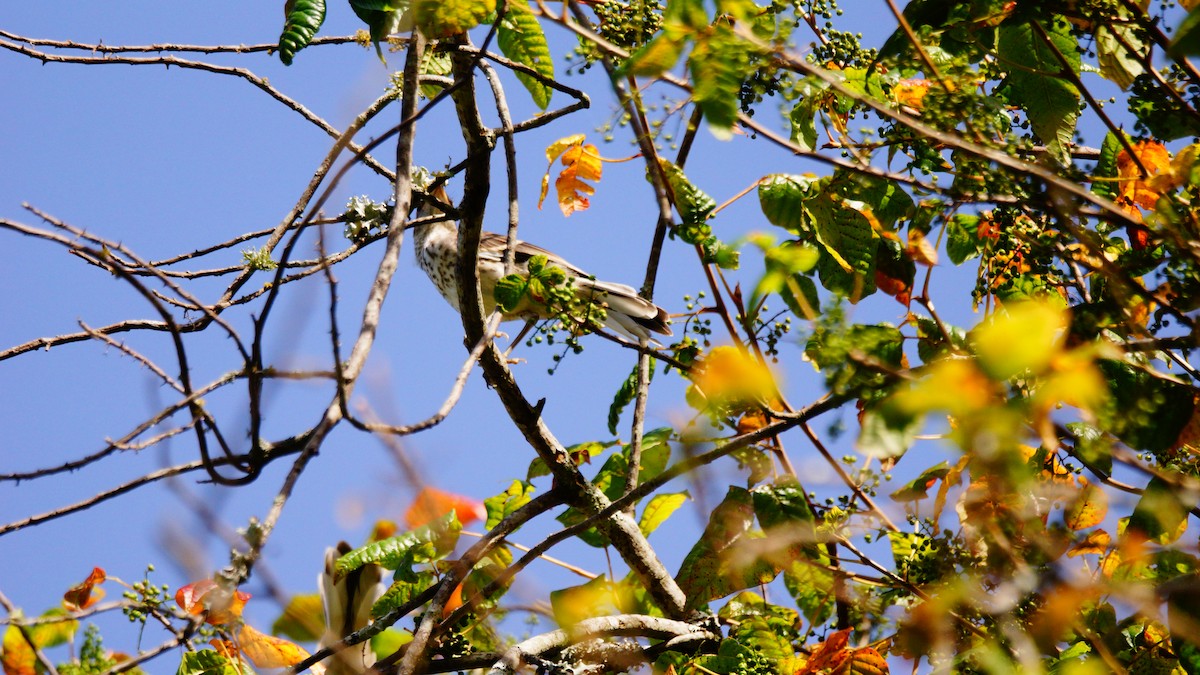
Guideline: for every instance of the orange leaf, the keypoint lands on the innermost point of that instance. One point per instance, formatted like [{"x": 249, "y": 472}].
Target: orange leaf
[
  {"x": 226, "y": 648},
  {"x": 1088, "y": 508},
  {"x": 268, "y": 651},
  {"x": 18, "y": 657},
  {"x": 1136, "y": 188},
  {"x": 920, "y": 250},
  {"x": 85, "y": 594},
  {"x": 1097, "y": 543},
  {"x": 572, "y": 192},
  {"x": 217, "y": 604},
  {"x": 586, "y": 161},
  {"x": 432, "y": 503},
  {"x": 828, "y": 655},
  {"x": 899, "y": 289},
  {"x": 453, "y": 602},
  {"x": 384, "y": 529},
  {"x": 865, "y": 661},
  {"x": 553, "y": 152}
]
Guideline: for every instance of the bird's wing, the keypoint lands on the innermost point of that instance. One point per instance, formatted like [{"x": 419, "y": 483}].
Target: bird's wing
[
  {"x": 492, "y": 245},
  {"x": 629, "y": 314}
]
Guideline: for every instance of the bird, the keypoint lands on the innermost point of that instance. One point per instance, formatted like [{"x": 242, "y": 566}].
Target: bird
[
  {"x": 436, "y": 246},
  {"x": 347, "y": 602}
]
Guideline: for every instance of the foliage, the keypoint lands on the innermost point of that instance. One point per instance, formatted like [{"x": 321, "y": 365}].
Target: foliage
[{"x": 997, "y": 284}]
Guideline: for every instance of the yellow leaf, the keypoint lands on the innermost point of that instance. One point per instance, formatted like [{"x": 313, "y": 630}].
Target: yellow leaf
[
  {"x": 1073, "y": 379},
  {"x": 18, "y": 657},
  {"x": 952, "y": 384},
  {"x": 1026, "y": 337},
  {"x": 557, "y": 148},
  {"x": 911, "y": 93},
  {"x": 268, "y": 651},
  {"x": 730, "y": 378},
  {"x": 1088, "y": 509}
]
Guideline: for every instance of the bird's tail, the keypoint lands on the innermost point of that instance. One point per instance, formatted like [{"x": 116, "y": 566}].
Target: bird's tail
[
  {"x": 347, "y": 603},
  {"x": 627, "y": 313}
]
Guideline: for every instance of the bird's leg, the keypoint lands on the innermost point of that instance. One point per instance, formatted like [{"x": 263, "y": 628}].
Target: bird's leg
[{"x": 529, "y": 324}]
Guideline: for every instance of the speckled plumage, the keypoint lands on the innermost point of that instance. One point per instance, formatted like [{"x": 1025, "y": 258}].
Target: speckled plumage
[{"x": 436, "y": 248}]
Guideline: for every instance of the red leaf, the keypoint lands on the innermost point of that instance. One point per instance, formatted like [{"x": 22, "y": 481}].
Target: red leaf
[
  {"x": 85, "y": 594},
  {"x": 218, "y": 605}
]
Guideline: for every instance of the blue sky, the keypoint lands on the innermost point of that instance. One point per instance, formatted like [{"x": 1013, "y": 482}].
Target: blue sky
[{"x": 167, "y": 160}]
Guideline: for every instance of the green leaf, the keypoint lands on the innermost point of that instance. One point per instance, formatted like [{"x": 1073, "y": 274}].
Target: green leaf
[
  {"x": 521, "y": 39},
  {"x": 1187, "y": 36},
  {"x": 711, "y": 569},
  {"x": 694, "y": 205},
  {"x": 623, "y": 397},
  {"x": 209, "y": 662},
  {"x": 783, "y": 504},
  {"x": 1118, "y": 64},
  {"x": 847, "y": 264},
  {"x": 783, "y": 198},
  {"x": 424, "y": 544},
  {"x": 656, "y": 452},
  {"x": 303, "y": 20},
  {"x": 486, "y": 572},
  {"x": 686, "y": 13},
  {"x": 611, "y": 479},
  {"x": 962, "y": 238},
  {"x": 434, "y": 63},
  {"x": 811, "y": 583},
  {"x": 768, "y": 637},
  {"x": 1092, "y": 446},
  {"x": 1145, "y": 411},
  {"x": 443, "y": 18},
  {"x": 799, "y": 293},
  {"x": 509, "y": 291},
  {"x": 504, "y": 504},
  {"x": 659, "y": 54},
  {"x": 1106, "y": 167},
  {"x": 918, "y": 488},
  {"x": 718, "y": 63},
  {"x": 887, "y": 436},
  {"x": 785, "y": 264},
  {"x": 1035, "y": 82},
  {"x": 404, "y": 588},
  {"x": 812, "y": 93},
  {"x": 721, "y": 254},
  {"x": 1161, "y": 512},
  {"x": 830, "y": 348},
  {"x": 888, "y": 202},
  {"x": 383, "y": 17},
  {"x": 659, "y": 508},
  {"x": 932, "y": 344}
]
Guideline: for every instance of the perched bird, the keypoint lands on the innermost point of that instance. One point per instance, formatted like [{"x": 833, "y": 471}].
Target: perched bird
[
  {"x": 347, "y": 602},
  {"x": 437, "y": 253}
]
